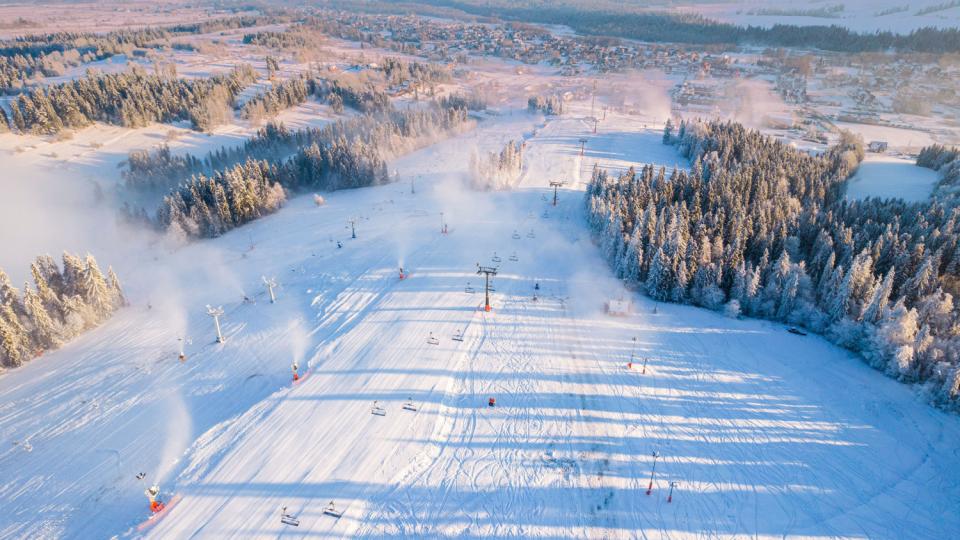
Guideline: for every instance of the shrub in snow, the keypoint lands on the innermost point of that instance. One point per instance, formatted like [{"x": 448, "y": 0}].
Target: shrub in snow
[{"x": 732, "y": 309}]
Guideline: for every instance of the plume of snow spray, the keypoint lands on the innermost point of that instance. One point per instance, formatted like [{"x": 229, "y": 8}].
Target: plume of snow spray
[
  {"x": 176, "y": 434},
  {"x": 299, "y": 341}
]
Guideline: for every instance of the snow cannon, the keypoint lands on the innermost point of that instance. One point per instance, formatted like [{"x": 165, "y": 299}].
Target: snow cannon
[
  {"x": 487, "y": 307},
  {"x": 153, "y": 493},
  {"x": 629, "y": 365},
  {"x": 402, "y": 275},
  {"x": 492, "y": 402},
  {"x": 295, "y": 367},
  {"x": 183, "y": 357}
]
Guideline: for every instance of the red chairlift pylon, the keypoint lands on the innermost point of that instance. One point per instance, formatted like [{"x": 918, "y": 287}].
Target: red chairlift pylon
[{"x": 652, "y": 471}]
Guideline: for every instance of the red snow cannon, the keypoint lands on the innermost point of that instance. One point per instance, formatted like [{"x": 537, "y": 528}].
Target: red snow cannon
[{"x": 492, "y": 402}]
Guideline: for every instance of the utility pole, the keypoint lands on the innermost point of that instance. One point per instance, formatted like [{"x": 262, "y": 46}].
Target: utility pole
[
  {"x": 650, "y": 486},
  {"x": 583, "y": 142},
  {"x": 670, "y": 496},
  {"x": 270, "y": 283},
  {"x": 487, "y": 271},
  {"x": 595, "y": 122},
  {"x": 216, "y": 312},
  {"x": 555, "y": 184},
  {"x": 353, "y": 228},
  {"x": 413, "y": 188},
  {"x": 443, "y": 224}
]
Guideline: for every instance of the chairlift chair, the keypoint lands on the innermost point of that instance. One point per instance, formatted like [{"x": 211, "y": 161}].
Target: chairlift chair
[
  {"x": 496, "y": 258},
  {"x": 331, "y": 510},
  {"x": 458, "y": 336},
  {"x": 377, "y": 409},
  {"x": 516, "y": 235},
  {"x": 514, "y": 257},
  {"x": 409, "y": 406},
  {"x": 288, "y": 519},
  {"x": 468, "y": 289},
  {"x": 432, "y": 340}
]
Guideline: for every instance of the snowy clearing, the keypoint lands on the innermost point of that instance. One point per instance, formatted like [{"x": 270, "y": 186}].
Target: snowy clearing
[{"x": 890, "y": 177}]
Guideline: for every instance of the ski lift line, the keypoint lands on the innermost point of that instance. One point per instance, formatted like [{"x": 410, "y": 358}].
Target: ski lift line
[{"x": 233, "y": 307}]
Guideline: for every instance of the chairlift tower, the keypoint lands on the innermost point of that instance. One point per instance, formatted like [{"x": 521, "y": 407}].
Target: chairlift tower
[
  {"x": 555, "y": 184},
  {"x": 583, "y": 142},
  {"x": 353, "y": 228},
  {"x": 270, "y": 284},
  {"x": 216, "y": 312},
  {"x": 487, "y": 271}
]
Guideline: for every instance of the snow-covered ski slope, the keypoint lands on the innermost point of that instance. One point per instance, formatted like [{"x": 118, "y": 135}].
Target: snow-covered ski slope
[{"x": 767, "y": 434}]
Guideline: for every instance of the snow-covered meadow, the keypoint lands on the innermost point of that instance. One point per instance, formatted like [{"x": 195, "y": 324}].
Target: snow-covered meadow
[{"x": 891, "y": 177}]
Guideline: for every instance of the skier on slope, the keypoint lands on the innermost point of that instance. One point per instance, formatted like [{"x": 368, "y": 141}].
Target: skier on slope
[{"x": 153, "y": 493}]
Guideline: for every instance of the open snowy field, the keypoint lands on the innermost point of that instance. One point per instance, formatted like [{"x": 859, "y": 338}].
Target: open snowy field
[
  {"x": 765, "y": 433},
  {"x": 890, "y": 177},
  {"x": 858, "y": 15}
]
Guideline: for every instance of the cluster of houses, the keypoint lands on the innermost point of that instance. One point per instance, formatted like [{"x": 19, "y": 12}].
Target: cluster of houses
[{"x": 447, "y": 41}]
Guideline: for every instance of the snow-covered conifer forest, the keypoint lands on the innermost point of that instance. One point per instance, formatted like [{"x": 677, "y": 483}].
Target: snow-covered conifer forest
[{"x": 479, "y": 268}]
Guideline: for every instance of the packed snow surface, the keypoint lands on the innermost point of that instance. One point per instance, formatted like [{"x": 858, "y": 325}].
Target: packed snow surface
[{"x": 765, "y": 433}]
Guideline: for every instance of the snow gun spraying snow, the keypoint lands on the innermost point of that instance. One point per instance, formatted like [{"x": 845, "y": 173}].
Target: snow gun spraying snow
[
  {"x": 296, "y": 368},
  {"x": 153, "y": 493},
  {"x": 183, "y": 342},
  {"x": 402, "y": 275}
]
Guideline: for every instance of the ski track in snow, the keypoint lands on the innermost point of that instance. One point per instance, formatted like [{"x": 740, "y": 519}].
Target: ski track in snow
[{"x": 767, "y": 434}]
